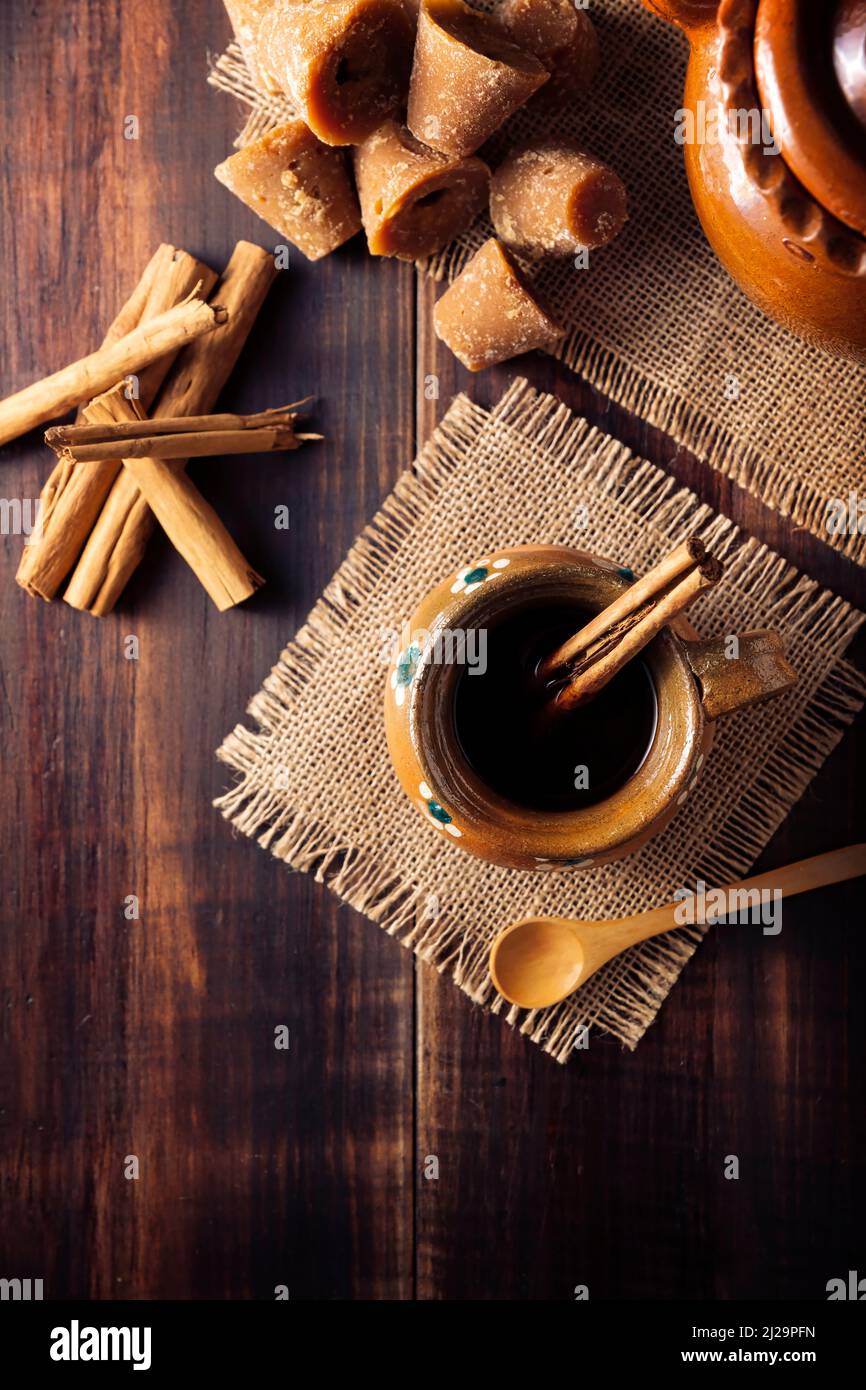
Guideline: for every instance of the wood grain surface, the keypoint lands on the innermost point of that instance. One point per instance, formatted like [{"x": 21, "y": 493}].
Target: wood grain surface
[{"x": 155, "y": 1037}]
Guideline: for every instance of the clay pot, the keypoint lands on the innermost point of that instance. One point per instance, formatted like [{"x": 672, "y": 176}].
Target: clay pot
[
  {"x": 695, "y": 682},
  {"x": 786, "y": 215}
]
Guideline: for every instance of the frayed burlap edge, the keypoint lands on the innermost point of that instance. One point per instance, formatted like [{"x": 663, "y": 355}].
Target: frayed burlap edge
[{"x": 641, "y": 979}]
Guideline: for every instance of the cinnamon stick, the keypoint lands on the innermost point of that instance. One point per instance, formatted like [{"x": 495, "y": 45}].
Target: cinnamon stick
[
  {"x": 120, "y": 535},
  {"x": 60, "y": 437},
  {"x": 200, "y": 437},
  {"x": 189, "y": 521},
  {"x": 201, "y": 444},
  {"x": 72, "y": 497},
  {"x": 606, "y": 644},
  {"x": 81, "y": 380},
  {"x": 170, "y": 276},
  {"x": 132, "y": 313}
]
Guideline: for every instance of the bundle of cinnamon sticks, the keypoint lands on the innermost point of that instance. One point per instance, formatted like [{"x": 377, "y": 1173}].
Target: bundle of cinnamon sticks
[{"x": 145, "y": 395}]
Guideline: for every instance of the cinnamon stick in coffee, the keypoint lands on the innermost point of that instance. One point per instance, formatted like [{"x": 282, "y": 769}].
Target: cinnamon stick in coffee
[
  {"x": 189, "y": 521},
  {"x": 595, "y": 654},
  {"x": 73, "y": 496},
  {"x": 119, "y": 537}
]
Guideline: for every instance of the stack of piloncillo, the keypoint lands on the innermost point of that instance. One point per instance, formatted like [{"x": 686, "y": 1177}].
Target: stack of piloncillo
[
  {"x": 415, "y": 91},
  {"x": 145, "y": 395}
]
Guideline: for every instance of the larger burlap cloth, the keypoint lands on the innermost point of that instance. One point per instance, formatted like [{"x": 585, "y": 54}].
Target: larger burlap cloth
[
  {"x": 315, "y": 785},
  {"x": 657, "y": 323}
]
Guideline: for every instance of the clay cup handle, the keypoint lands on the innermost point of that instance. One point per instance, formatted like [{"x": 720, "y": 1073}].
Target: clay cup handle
[{"x": 735, "y": 672}]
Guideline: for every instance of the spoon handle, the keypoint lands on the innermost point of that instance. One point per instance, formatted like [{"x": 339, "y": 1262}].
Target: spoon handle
[{"x": 836, "y": 866}]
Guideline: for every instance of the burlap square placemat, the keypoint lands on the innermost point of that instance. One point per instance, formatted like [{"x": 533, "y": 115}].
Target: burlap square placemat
[
  {"x": 315, "y": 785},
  {"x": 657, "y": 323}
]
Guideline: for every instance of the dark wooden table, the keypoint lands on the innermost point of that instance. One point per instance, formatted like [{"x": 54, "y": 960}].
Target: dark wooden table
[{"x": 154, "y": 1037}]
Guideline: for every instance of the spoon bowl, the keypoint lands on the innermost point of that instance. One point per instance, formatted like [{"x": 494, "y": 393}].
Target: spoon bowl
[
  {"x": 537, "y": 961},
  {"x": 540, "y": 961}
]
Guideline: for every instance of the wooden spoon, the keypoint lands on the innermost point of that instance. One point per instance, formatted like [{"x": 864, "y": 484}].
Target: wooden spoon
[{"x": 541, "y": 960}]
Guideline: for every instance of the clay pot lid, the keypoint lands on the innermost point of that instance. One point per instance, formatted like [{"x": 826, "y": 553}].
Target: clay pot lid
[{"x": 810, "y": 65}]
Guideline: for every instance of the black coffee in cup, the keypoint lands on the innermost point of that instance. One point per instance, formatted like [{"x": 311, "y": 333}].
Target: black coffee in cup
[{"x": 528, "y": 750}]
